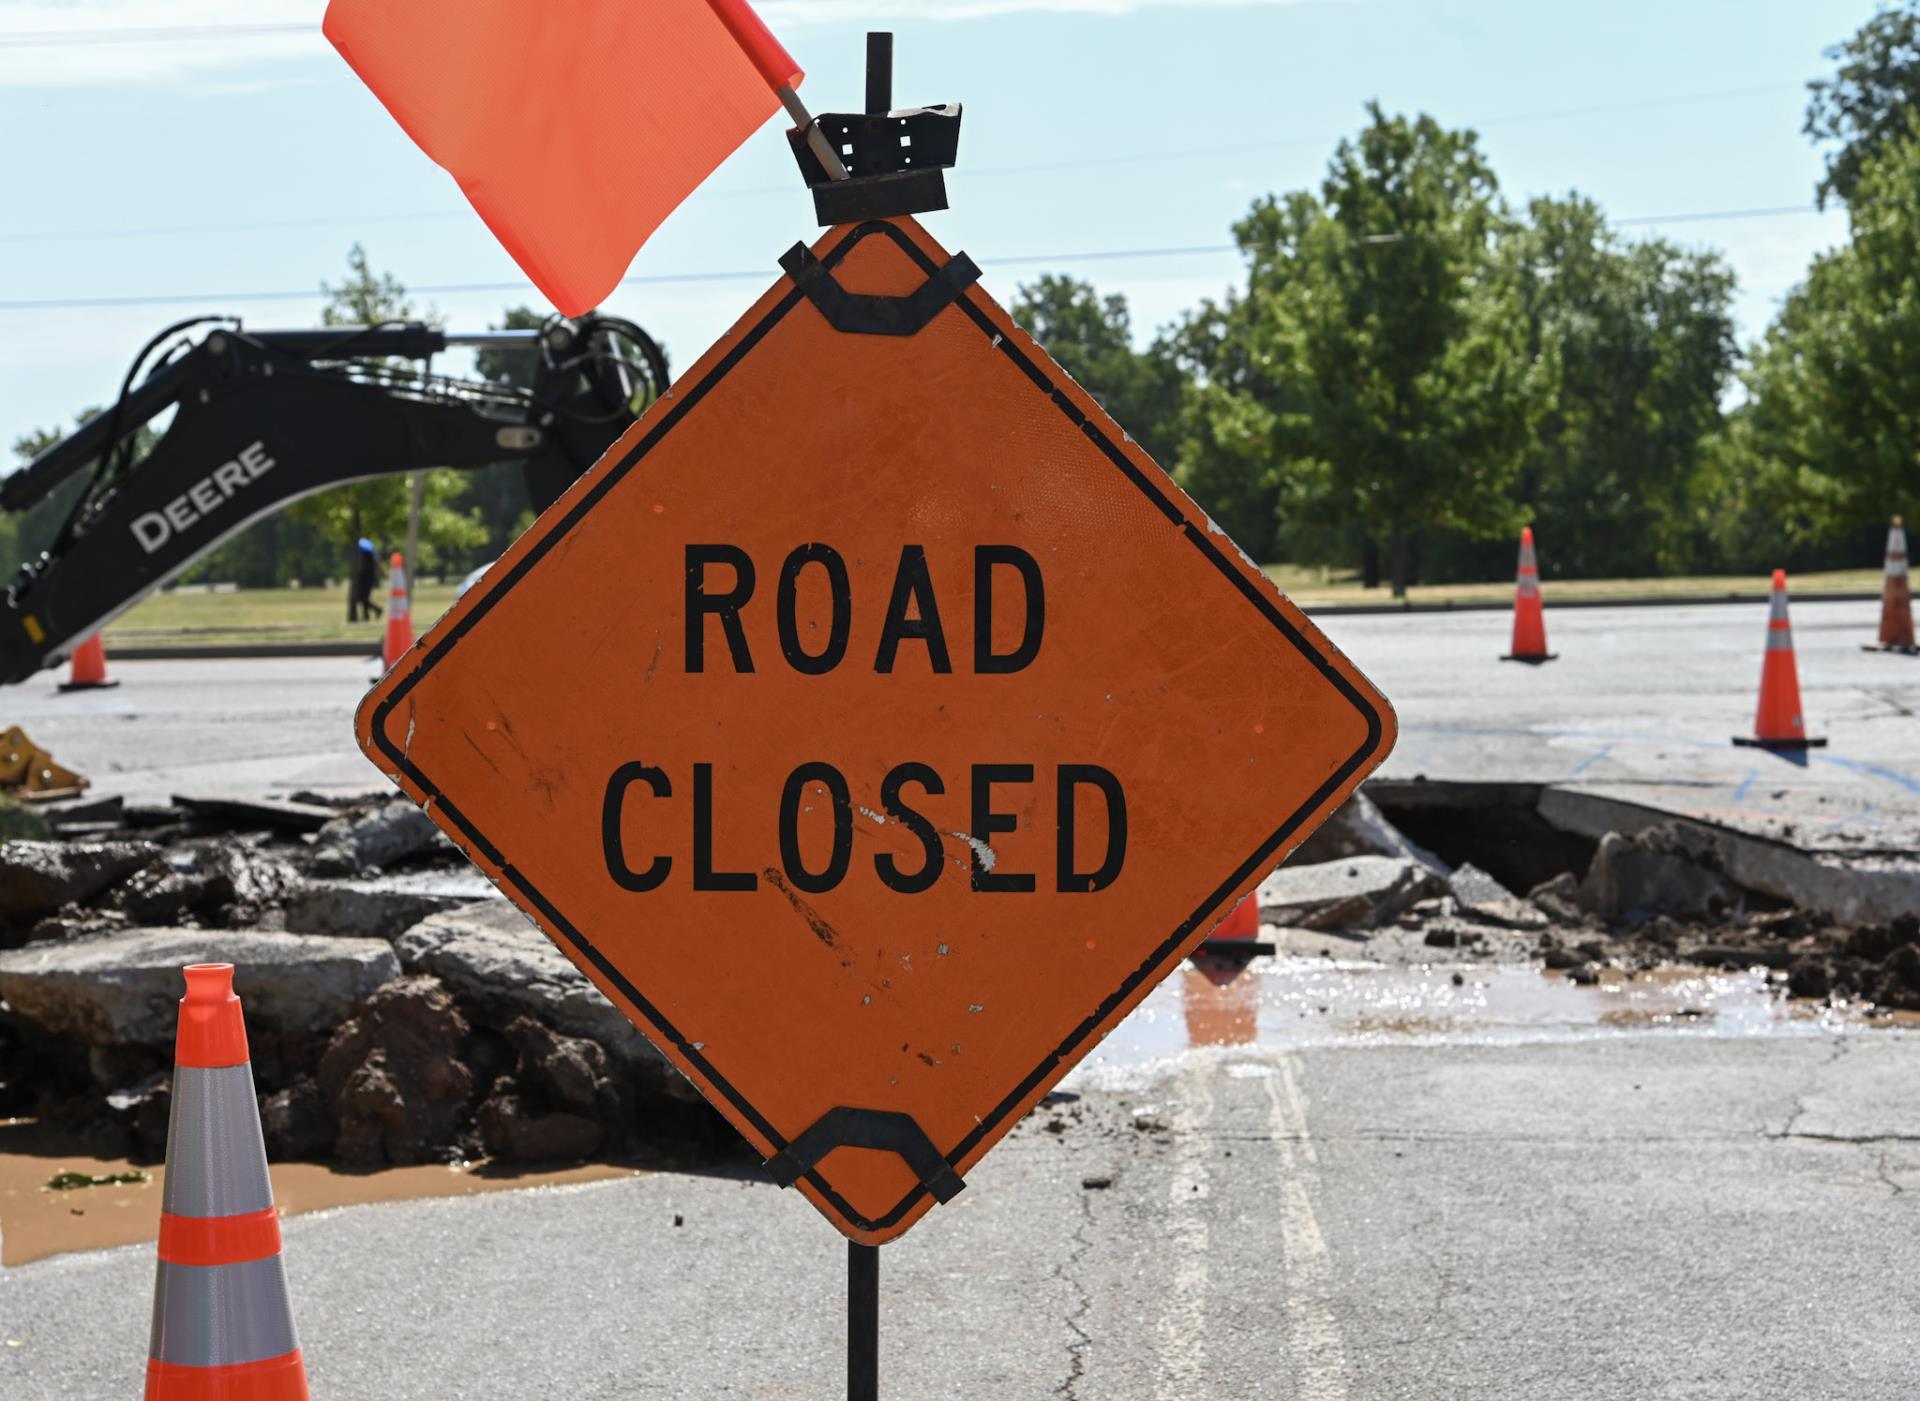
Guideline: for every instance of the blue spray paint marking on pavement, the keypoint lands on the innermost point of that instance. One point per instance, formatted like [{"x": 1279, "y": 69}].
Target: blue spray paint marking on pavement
[
  {"x": 1746, "y": 785},
  {"x": 1912, "y": 785},
  {"x": 1591, "y": 760}
]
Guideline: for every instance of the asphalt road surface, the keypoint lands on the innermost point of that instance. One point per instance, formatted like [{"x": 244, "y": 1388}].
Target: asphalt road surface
[
  {"x": 1642, "y": 704},
  {"x": 1652, "y": 1216},
  {"x": 1631, "y": 1214}
]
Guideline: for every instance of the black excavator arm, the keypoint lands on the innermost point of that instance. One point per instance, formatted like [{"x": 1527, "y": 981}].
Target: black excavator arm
[{"x": 262, "y": 418}]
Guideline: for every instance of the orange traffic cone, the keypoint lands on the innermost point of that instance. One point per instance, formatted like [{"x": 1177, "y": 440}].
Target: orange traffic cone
[
  {"x": 1235, "y": 940},
  {"x": 222, "y": 1320},
  {"x": 399, "y": 613},
  {"x": 88, "y": 669},
  {"x": 1896, "y": 603},
  {"x": 1779, "y": 724},
  {"x": 1529, "y": 622}
]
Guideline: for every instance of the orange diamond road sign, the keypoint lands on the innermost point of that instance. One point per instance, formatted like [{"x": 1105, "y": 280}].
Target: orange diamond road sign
[{"x": 875, "y": 724}]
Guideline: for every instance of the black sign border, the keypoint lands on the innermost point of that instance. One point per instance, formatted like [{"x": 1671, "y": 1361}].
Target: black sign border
[{"x": 685, "y": 398}]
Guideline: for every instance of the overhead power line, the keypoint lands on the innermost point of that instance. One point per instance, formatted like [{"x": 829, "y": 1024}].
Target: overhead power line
[
  {"x": 443, "y": 289},
  {"x": 766, "y": 273},
  {"x": 1122, "y": 158}
]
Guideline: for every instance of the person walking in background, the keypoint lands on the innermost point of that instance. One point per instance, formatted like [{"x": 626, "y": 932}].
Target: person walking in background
[{"x": 366, "y": 578}]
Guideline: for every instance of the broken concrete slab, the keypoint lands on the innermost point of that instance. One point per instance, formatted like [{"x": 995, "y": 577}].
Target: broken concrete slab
[
  {"x": 1481, "y": 897},
  {"x": 256, "y": 813},
  {"x": 37, "y": 878},
  {"x": 362, "y": 909},
  {"x": 1362, "y": 892},
  {"x": 70, "y": 815},
  {"x": 493, "y": 956},
  {"x": 124, "y": 988},
  {"x": 1862, "y": 890},
  {"x": 347, "y": 845},
  {"x": 1359, "y": 828}
]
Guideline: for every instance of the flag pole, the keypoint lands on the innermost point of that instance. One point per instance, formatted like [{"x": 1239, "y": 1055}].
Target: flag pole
[{"x": 816, "y": 139}]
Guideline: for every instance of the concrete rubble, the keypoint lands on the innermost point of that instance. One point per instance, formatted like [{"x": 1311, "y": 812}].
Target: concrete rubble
[
  {"x": 400, "y": 1011},
  {"x": 1358, "y": 893},
  {"x": 373, "y": 840},
  {"x": 38, "y": 878}
]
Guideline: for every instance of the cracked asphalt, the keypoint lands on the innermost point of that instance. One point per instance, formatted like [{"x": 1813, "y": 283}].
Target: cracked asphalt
[{"x": 1620, "y": 1216}]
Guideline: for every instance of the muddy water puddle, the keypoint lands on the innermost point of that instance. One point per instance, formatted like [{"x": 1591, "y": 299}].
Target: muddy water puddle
[
  {"x": 37, "y": 1221},
  {"x": 1288, "y": 1004}
]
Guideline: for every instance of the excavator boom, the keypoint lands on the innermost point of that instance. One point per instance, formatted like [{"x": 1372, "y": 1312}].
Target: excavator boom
[{"x": 264, "y": 418}]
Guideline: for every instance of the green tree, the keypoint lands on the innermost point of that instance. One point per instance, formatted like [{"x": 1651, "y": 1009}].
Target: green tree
[
  {"x": 1830, "y": 439},
  {"x": 378, "y": 508},
  {"x": 1377, "y": 370},
  {"x": 512, "y": 367},
  {"x": 1092, "y": 338},
  {"x": 1643, "y": 333},
  {"x": 1866, "y": 103}
]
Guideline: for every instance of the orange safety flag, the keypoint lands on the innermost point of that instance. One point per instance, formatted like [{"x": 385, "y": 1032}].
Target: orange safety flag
[{"x": 575, "y": 129}]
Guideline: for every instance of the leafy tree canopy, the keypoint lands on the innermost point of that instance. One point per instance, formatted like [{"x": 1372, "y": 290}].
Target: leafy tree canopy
[
  {"x": 1866, "y": 103},
  {"x": 1377, "y": 370}
]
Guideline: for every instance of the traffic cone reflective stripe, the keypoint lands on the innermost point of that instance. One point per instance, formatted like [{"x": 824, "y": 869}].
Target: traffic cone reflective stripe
[
  {"x": 1896, "y": 600},
  {"x": 1529, "y": 620},
  {"x": 1779, "y": 723},
  {"x": 87, "y": 669},
  {"x": 222, "y": 1318},
  {"x": 224, "y": 1240},
  {"x": 399, "y": 614}
]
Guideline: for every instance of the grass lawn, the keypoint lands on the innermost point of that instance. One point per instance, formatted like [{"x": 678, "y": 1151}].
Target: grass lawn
[
  {"x": 187, "y": 617},
  {"x": 179, "y": 618}
]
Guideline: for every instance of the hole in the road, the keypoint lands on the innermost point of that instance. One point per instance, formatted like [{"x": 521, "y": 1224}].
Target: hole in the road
[{"x": 1495, "y": 826}]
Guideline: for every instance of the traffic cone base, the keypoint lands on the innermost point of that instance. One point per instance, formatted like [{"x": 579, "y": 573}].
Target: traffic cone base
[
  {"x": 87, "y": 671},
  {"x": 1539, "y": 659},
  {"x": 1755, "y": 742},
  {"x": 1898, "y": 648}
]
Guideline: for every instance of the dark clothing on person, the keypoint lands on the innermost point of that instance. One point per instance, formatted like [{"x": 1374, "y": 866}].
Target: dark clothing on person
[{"x": 366, "y": 578}]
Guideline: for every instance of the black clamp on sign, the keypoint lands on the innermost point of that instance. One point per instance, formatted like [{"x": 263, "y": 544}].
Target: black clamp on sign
[
  {"x": 893, "y": 160},
  {"x": 860, "y": 313},
  {"x": 884, "y": 1129}
]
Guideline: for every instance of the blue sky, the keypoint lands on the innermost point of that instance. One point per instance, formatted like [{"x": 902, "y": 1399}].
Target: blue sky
[{"x": 241, "y": 155}]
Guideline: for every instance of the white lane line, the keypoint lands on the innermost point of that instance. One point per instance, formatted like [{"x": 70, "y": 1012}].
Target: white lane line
[
  {"x": 1314, "y": 1344},
  {"x": 1181, "y": 1335}
]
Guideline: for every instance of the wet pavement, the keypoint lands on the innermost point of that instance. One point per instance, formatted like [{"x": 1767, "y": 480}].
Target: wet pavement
[{"x": 1288, "y": 1004}]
